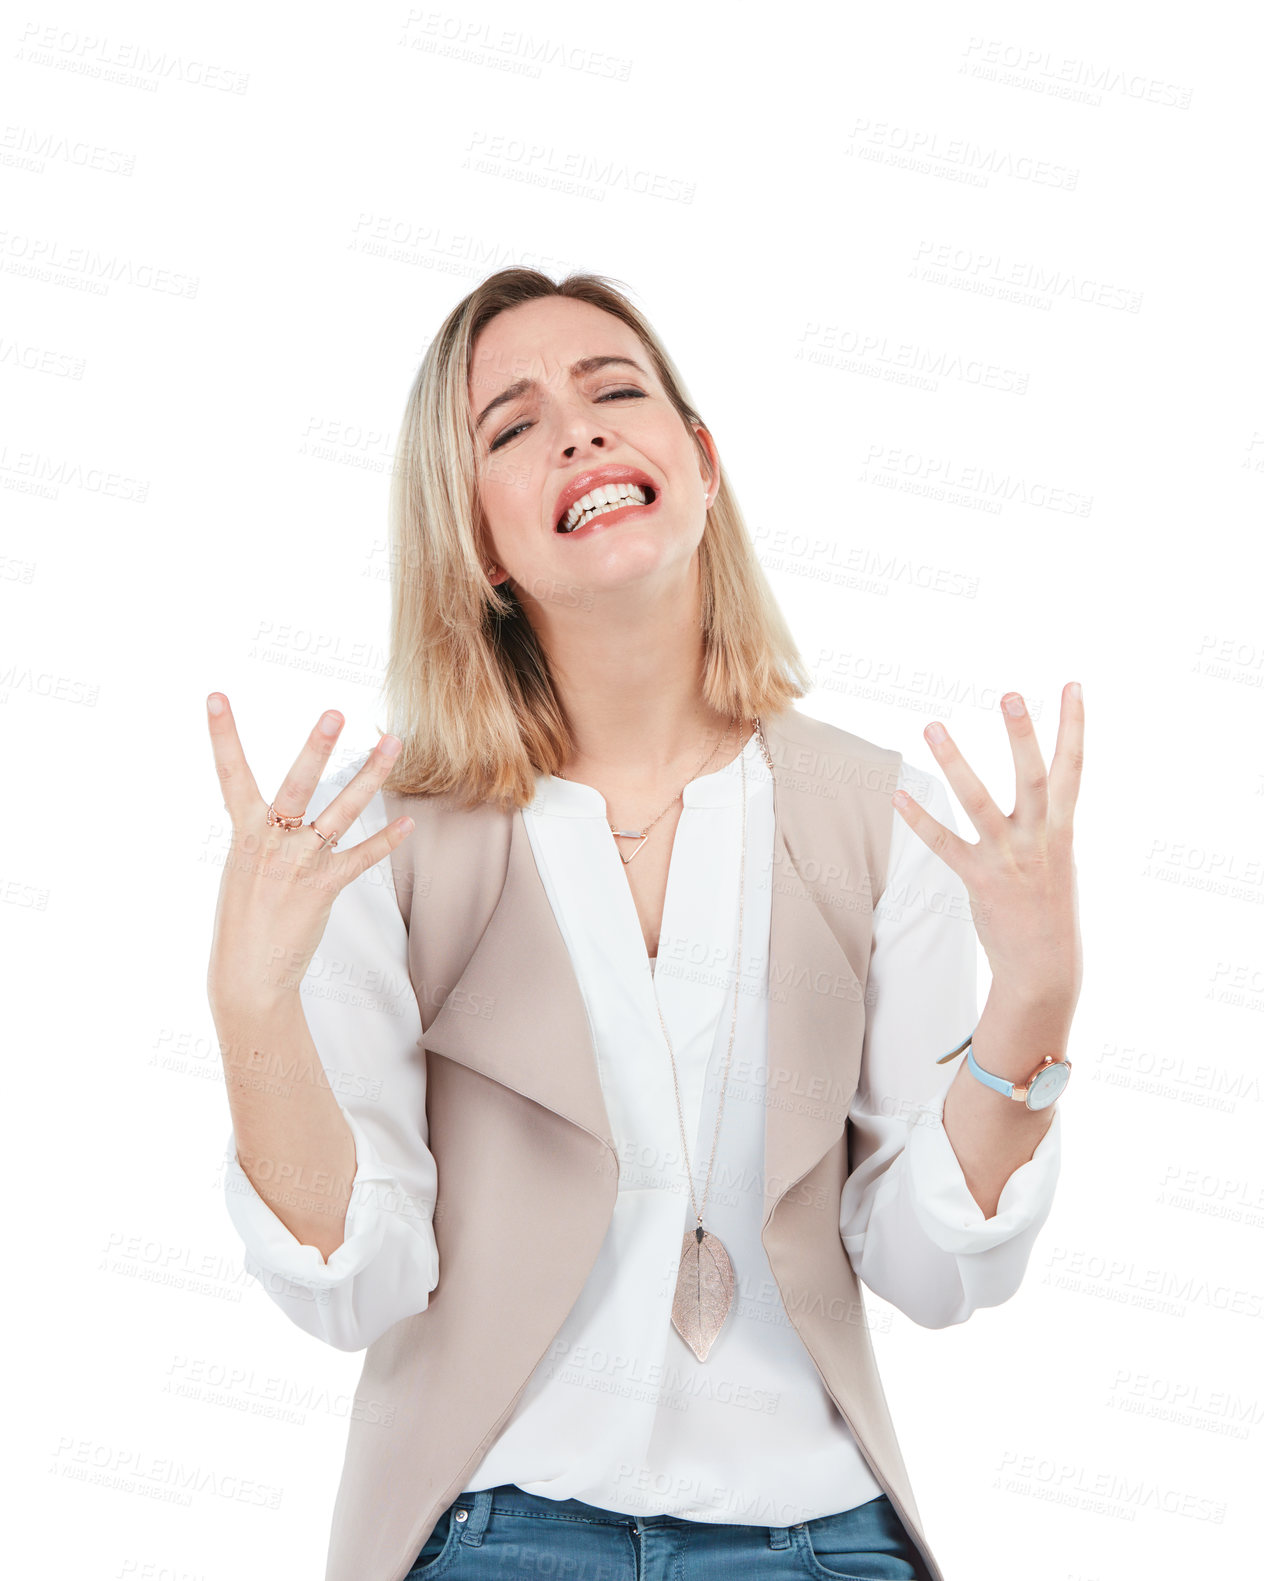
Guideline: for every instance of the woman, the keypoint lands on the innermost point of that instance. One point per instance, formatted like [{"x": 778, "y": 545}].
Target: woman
[{"x": 591, "y": 1155}]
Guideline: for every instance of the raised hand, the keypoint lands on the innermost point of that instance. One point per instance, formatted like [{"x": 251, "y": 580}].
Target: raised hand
[
  {"x": 1020, "y": 875},
  {"x": 279, "y": 885}
]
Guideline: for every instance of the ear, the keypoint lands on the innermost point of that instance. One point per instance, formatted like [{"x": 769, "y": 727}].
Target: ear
[
  {"x": 711, "y": 472},
  {"x": 487, "y": 557}
]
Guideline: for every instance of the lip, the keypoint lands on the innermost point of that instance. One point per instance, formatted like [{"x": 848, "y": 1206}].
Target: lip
[{"x": 583, "y": 482}]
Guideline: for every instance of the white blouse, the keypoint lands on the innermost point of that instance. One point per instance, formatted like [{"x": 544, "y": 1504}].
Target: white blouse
[{"x": 619, "y": 1412}]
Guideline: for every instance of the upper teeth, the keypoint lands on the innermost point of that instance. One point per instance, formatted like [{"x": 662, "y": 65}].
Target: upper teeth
[{"x": 599, "y": 500}]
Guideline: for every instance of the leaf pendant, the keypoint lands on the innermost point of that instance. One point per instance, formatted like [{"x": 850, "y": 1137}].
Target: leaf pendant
[{"x": 704, "y": 1291}]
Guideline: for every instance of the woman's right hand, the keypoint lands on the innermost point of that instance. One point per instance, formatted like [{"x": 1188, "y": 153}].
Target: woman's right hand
[{"x": 279, "y": 885}]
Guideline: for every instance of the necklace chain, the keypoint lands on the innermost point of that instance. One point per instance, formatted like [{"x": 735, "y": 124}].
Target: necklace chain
[
  {"x": 643, "y": 833},
  {"x": 741, "y": 912},
  {"x": 737, "y": 980}
]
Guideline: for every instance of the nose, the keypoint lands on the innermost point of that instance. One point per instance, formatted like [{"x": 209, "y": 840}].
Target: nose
[
  {"x": 578, "y": 431},
  {"x": 597, "y": 441}
]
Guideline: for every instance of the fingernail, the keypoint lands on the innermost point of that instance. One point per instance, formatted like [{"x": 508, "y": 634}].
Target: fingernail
[
  {"x": 1076, "y": 693},
  {"x": 215, "y": 703},
  {"x": 935, "y": 732},
  {"x": 1014, "y": 706},
  {"x": 390, "y": 746},
  {"x": 328, "y": 724}
]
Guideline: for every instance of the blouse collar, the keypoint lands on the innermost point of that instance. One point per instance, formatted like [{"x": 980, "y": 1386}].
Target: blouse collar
[{"x": 721, "y": 788}]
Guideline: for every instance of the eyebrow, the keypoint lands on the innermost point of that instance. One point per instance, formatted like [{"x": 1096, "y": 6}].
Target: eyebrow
[{"x": 584, "y": 365}]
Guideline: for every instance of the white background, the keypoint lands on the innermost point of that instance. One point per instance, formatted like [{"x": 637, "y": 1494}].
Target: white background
[{"x": 933, "y": 275}]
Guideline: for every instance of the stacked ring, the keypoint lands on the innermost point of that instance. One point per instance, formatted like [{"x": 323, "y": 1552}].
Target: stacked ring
[{"x": 280, "y": 820}]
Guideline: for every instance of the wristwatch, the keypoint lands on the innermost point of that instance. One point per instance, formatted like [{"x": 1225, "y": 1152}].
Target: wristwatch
[{"x": 1044, "y": 1086}]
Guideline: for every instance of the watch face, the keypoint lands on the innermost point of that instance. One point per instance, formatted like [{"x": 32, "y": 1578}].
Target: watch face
[{"x": 1047, "y": 1085}]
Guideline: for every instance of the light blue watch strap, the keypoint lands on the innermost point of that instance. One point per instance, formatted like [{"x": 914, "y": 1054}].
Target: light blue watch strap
[
  {"x": 1047, "y": 1091},
  {"x": 1005, "y": 1088}
]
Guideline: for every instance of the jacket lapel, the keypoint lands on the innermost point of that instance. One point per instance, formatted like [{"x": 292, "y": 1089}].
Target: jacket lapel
[
  {"x": 816, "y": 1013},
  {"x": 538, "y": 1039}
]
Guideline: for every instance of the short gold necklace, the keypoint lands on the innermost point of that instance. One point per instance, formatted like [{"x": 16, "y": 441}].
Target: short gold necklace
[{"x": 642, "y": 835}]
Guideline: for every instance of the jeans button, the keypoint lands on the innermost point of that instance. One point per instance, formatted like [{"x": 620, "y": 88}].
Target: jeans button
[{"x": 462, "y": 1515}]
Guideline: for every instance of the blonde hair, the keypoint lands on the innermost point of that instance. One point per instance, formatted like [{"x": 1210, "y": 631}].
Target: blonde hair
[{"x": 468, "y": 688}]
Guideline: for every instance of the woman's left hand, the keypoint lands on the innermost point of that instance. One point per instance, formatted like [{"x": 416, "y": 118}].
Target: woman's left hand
[{"x": 1021, "y": 874}]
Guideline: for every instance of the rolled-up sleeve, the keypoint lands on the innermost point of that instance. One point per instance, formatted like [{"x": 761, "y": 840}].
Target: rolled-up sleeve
[
  {"x": 362, "y": 1012},
  {"x": 915, "y": 1235}
]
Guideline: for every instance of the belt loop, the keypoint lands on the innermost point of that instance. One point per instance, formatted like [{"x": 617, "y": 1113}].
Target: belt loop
[
  {"x": 480, "y": 1514},
  {"x": 779, "y": 1537}
]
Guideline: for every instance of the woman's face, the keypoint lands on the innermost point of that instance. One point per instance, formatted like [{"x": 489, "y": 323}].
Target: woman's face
[{"x": 565, "y": 402}]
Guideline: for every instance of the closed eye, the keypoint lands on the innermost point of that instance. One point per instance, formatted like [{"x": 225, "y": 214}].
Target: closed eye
[
  {"x": 508, "y": 434},
  {"x": 517, "y": 428}
]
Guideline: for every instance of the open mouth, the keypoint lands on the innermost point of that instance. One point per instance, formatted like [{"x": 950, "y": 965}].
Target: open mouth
[{"x": 601, "y": 502}]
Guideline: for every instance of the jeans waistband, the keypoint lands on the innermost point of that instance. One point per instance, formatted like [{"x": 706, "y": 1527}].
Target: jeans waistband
[{"x": 513, "y": 1500}]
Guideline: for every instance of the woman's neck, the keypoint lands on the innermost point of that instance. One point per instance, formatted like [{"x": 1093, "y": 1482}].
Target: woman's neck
[
  {"x": 626, "y": 743},
  {"x": 636, "y": 710},
  {"x": 628, "y": 670}
]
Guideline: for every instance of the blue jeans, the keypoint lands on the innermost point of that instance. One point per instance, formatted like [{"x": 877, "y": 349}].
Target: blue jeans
[{"x": 506, "y": 1533}]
